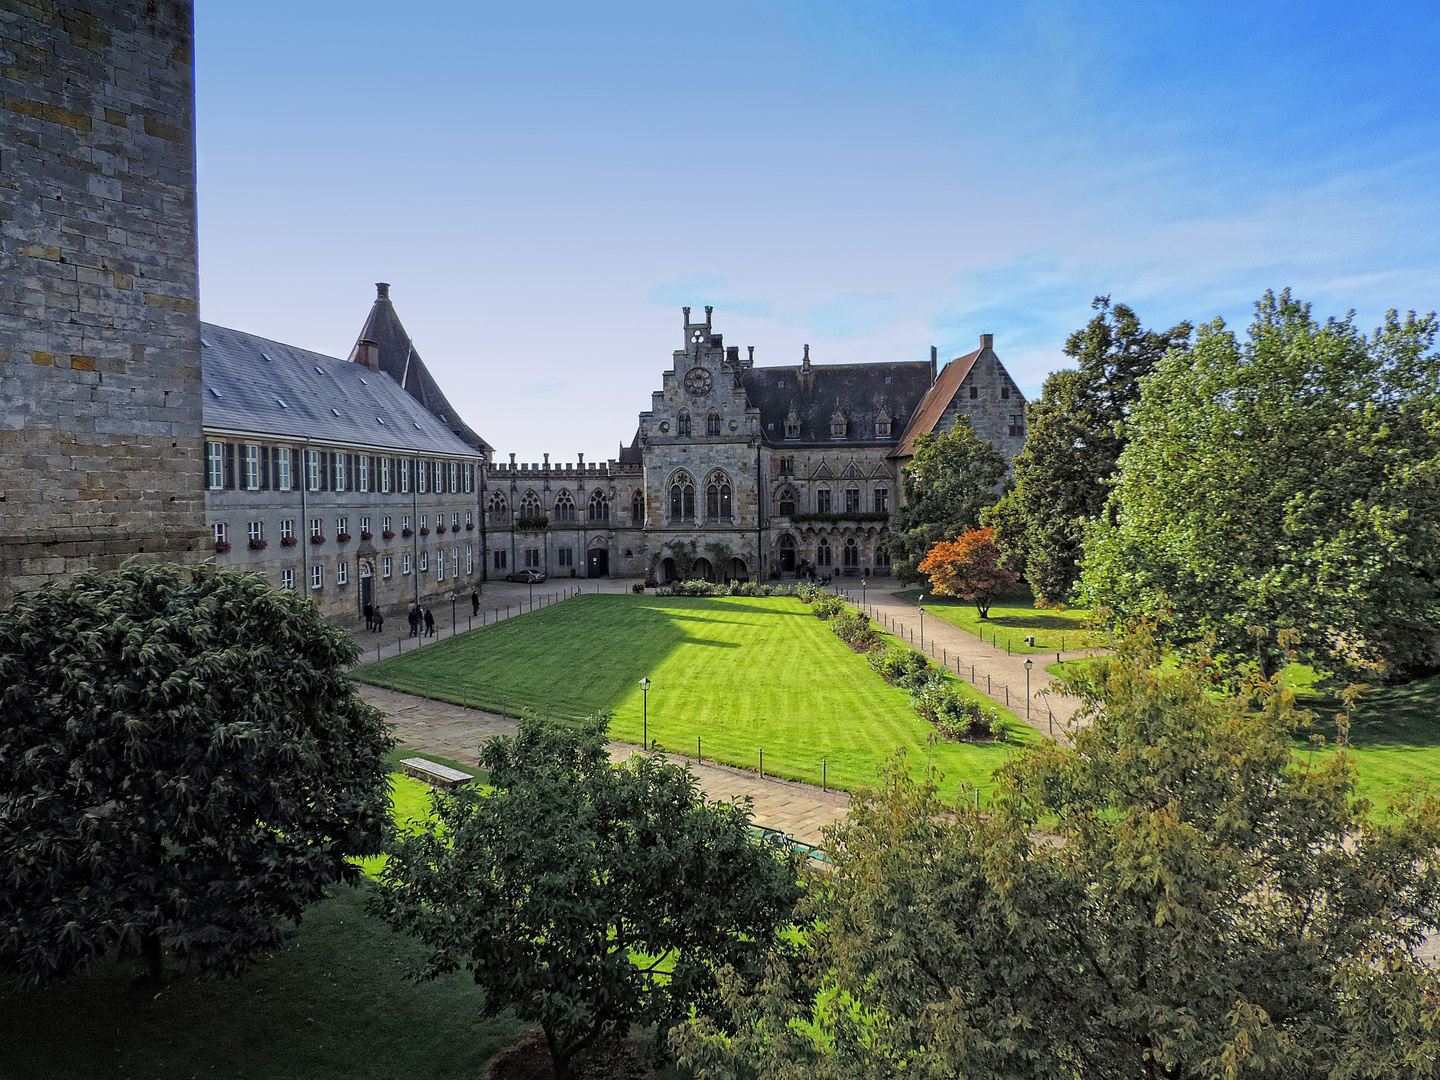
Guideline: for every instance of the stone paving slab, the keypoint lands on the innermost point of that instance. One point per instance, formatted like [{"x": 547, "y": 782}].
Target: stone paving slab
[{"x": 452, "y": 731}]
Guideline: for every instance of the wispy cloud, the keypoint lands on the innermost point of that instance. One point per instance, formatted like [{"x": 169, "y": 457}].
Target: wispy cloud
[
  {"x": 698, "y": 290},
  {"x": 543, "y": 390}
]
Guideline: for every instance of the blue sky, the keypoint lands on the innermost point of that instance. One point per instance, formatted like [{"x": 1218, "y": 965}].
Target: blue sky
[{"x": 546, "y": 184}]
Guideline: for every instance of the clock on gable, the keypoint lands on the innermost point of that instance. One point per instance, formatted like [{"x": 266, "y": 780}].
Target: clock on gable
[{"x": 697, "y": 381}]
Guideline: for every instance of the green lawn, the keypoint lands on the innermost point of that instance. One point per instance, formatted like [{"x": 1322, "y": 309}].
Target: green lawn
[
  {"x": 741, "y": 675},
  {"x": 1011, "y": 620},
  {"x": 1396, "y": 736}
]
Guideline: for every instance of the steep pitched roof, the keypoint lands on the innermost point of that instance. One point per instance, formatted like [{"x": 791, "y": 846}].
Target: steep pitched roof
[
  {"x": 860, "y": 390},
  {"x": 399, "y": 359},
  {"x": 633, "y": 454},
  {"x": 256, "y": 385},
  {"x": 932, "y": 408}
]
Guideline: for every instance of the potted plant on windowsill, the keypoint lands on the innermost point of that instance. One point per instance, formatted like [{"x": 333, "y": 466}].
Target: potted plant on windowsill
[
  {"x": 367, "y": 536},
  {"x": 407, "y": 533},
  {"x": 259, "y": 545},
  {"x": 469, "y": 526},
  {"x": 388, "y": 534},
  {"x": 288, "y": 541},
  {"x": 439, "y": 528},
  {"x": 342, "y": 538},
  {"x": 222, "y": 546},
  {"x": 317, "y": 539},
  {"x": 425, "y": 530}
]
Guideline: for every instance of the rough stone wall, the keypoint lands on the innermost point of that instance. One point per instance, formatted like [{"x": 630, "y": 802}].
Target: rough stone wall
[
  {"x": 100, "y": 411},
  {"x": 991, "y": 411}
]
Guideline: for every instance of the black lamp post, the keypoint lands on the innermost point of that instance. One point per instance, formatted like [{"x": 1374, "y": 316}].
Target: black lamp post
[
  {"x": 453, "y": 596},
  {"x": 645, "y": 713},
  {"x": 530, "y": 580},
  {"x": 862, "y": 593},
  {"x": 1028, "y": 665},
  {"x": 922, "y": 620}
]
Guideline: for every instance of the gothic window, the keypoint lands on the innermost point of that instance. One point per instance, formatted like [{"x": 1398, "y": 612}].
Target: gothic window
[
  {"x": 851, "y": 554},
  {"x": 785, "y": 502},
  {"x": 682, "y": 498},
  {"x": 637, "y": 507},
  {"x": 717, "y": 497},
  {"x": 837, "y": 422},
  {"x": 682, "y": 424},
  {"x": 497, "y": 502},
  {"x": 564, "y": 507},
  {"x": 823, "y": 555},
  {"x": 530, "y": 505},
  {"x": 852, "y": 500},
  {"x": 599, "y": 506},
  {"x": 712, "y": 424},
  {"x": 882, "y": 500},
  {"x": 822, "y": 501},
  {"x": 792, "y": 423}
]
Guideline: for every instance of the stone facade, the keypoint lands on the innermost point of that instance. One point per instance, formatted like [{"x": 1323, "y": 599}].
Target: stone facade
[{"x": 100, "y": 411}]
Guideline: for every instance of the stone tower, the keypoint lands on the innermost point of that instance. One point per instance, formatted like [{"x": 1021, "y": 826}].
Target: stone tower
[{"x": 100, "y": 409}]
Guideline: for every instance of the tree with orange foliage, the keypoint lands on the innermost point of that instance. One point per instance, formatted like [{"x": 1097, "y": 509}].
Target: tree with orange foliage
[{"x": 968, "y": 566}]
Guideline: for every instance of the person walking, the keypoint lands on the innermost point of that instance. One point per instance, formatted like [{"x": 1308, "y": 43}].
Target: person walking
[
  {"x": 369, "y": 617},
  {"x": 415, "y": 620},
  {"x": 429, "y": 623},
  {"x": 475, "y": 602},
  {"x": 379, "y": 620}
]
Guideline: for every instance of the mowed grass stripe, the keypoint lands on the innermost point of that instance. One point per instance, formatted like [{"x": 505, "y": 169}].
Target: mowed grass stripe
[{"x": 739, "y": 674}]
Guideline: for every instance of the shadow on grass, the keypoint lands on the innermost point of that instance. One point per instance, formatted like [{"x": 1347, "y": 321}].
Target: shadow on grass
[
  {"x": 1034, "y": 622},
  {"x": 1396, "y": 716}
]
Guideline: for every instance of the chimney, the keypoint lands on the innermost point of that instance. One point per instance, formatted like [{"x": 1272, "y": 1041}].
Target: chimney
[
  {"x": 934, "y": 363},
  {"x": 987, "y": 341},
  {"x": 805, "y": 363},
  {"x": 547, "y": 461},
  {"x": 751, "y": 361},
  {"x": 708, "y": 312},
  {"x": 367, "y": 352},
  {"x": 686, "y": 310},
  {"x": 582, "y": 460},
  {"x": 732, "y": 355},
  {"x": 382, "y": 290}
]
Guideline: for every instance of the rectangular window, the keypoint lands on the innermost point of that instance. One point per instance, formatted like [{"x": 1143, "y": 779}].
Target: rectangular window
[
  {"x": 317, "y": 576},
  {"x": 387, "y": 565},
  {"x": 364, "y": 524},
  {"x": 282, "y": 468},
  {"x": 532, "y": 557},
  {"x": 404, "y": 467},
  {"x": 222, "y": 532},
  {"x": 256, "y": 529},
  {"x": 362, "y": 473},
  {"x": 822, "y": 501},
  {"x": 214, "y": 465},
  {"x": 405, "y": 523},
  {"x": 287, "y": 529},
  {"x": 421, "y": 469},
  {"x": 424, "y": 561},
  {"x": 317, "y": 527},
  {"x": 312, "y": 470},
  {"x": 455, "y": 521},
  {"x": 787, "y": 466},
  {"x": 1004, "y": 393},
  {"x": 882, "y": 501},
  {"x": 384, "y": 474},
  {"x": 1017, "y": 424},
  {"x": 469, "y": 560},
  {"x": 439, "y": 476},
  {"x": 423, "y": 522},
  {"x": 852, "y": 500},
  {"x": 469, "y": 479},
  {"x": 339, "y": 472},
  {"x": 469, "y": 518},
  {"x": 405, "y": 563},
  {"x": 454, "y": 476},
  {"x": 252, "y": 468},
  {"x": 440, "y": 565},
  {"x": 342, "y": 527},
  {"x": 500, "y": 557},
  {"x": 455, "y": 562},
  {"x": 342, "y": 574},
  {"x": 565, "y": 557},
  {"x": 287, "y": 578},
  {"x": 974, "y": 392}
]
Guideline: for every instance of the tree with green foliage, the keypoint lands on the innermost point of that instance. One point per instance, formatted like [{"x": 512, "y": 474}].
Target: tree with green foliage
[
  {"x": 952, "y": 478},
  {"x": 183, "y": 765},
  {"x": 588, "y": 896},
  {"x": 1291, "y": 481},
  {"x": 1179, "y": 895},
  {"x": 1075, "y": 432}
]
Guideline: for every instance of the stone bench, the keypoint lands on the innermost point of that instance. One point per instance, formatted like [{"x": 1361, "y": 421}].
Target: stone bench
[{"x": 440, "y": 776}]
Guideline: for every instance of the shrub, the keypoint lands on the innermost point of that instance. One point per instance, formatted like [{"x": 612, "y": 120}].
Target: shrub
[
  {"x": 809, "y": 592},
  {"x": 855, "y": 630},
  {"x": 827, "y": 607},
  {"x": 899, "y": 665},
  {"x": 955, "y": 716}
]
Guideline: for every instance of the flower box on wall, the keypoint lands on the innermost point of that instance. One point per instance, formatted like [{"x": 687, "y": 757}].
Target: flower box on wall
[
  {"x": 317, "y": 539},
  {"x": 407, "y": 532},
  {"x": 342, "y": 538},
  {"x": 469, "y": 525},
  {"x": 367, "y": 536},
  {"x": 222, "y": 546},
  {"x": 259, "y": 545},
  {"x": 288, "y": 541},
  {"x": 389, "y": 534},
  {"x": 439, "y": 528},
  {"x": 425, "y": 531}
]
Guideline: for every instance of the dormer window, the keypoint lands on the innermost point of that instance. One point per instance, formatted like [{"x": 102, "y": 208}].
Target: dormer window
[
  {"x": 837, "y": 422},
  {"x": 882, "y": 423},
  {"x": 792, "y": 423}
]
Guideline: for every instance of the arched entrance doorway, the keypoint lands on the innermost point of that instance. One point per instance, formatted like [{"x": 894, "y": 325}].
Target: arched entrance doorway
[
  {"x": 667, "y": 571},
  {"x": 598, "y": 562},
  {"x": 367, "y": 584},
  {"x": 738, "y": 570},
  {"x": 787, "y": 554},
  {"x": 703, "y": 570}
]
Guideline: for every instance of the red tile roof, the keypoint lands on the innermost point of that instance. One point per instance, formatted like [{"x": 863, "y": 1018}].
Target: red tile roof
[{"x": 932, "y": 405}]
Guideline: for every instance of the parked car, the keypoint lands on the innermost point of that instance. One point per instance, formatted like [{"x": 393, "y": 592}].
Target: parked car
[{"x": 526, "y": 577}]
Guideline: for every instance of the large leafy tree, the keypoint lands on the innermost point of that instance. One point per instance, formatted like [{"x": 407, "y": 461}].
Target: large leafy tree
[
  {"x": 183, "y": 765},
  {"x": 968, "y": 567},
  {"x": 1290, "y": 480},
  {"x": 588, "y": 896},
  {"x": 1177, "y": 896},
  {"x": 1062, "y": 477},
  {"x": 952, "y": 478}
]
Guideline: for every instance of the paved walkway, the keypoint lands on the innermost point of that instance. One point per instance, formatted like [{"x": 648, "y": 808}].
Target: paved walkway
[
  {"x": 452, "y": 731},
  {"x": 992, "y": 671}
]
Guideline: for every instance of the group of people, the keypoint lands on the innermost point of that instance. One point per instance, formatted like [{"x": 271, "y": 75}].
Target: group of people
[
  {"x": 422, "y": 620},
  {"x": 374, "y": 619}
]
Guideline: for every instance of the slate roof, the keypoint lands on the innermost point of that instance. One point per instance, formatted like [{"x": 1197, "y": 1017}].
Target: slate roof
[
  {"x": 947, "y": 385},
  {"x": 860, "y": 390},
  {"x": 400, "y": 360},
  {"x": 253, "y": 384},
  {"x": 633, "y": 454}
]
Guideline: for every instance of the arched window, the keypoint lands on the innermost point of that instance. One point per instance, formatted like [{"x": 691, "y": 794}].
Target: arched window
[
  {"x": 717, "y": 496},
  {"x": 823, "y": 556},
  {"x": 682, "y": 498},
  {"x": 882, "y": 557},
  {"x": 497, "y": 502},
  {"x": 851, "y": 554},
  {"x": 787, "y": 554},
  {"x": 792, "y": 423},
  {"x": 682, "y": 424},
  {"x": 599, "y": 506},
  {"x": 785, "y": 501},
  {"x": 712, "y": 423},
  {"x": 564, "y": 507},
  {"x": 530, "y": 505},
  {"x": 637, "y": 507}
]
